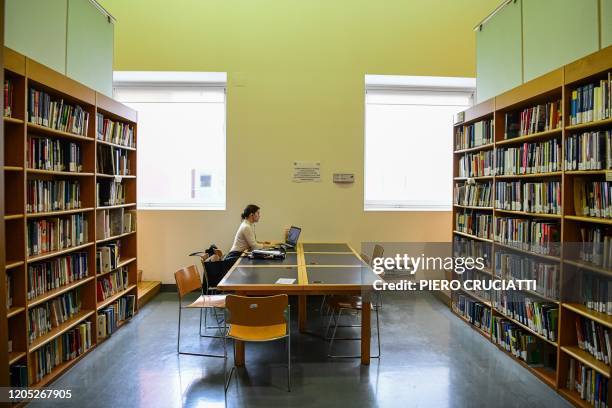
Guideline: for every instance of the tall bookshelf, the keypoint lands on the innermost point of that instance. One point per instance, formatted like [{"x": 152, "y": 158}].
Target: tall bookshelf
[
  {"x": 22, "y": 138},
  {"x": 571, "y": 278}
]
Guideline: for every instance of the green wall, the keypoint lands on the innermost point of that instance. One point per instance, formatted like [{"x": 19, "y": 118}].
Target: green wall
[
  {"x": 606, "y": 23},
  {"x": 37, "y": 28},
  {"x": 71, "y": 36},
  {"x": 498, "y": 46}
]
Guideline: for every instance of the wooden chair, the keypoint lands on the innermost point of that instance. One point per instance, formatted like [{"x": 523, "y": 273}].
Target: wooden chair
[
  {"x": 258, "y": 319},
  {"x": 188, "y": 281}
]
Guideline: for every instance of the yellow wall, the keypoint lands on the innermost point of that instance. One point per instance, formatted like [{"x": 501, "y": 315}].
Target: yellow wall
[{"x": 296, "y": 77}]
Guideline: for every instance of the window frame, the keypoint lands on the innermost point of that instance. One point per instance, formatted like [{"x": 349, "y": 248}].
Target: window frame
[
  {"x": 402, "y": 83},
  {"x": 178, "y": 79}
]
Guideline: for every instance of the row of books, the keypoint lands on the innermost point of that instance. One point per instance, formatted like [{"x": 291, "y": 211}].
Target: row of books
[
  {"x": 540, "y": 317},
  {"x": 589, "y": 151},
  {"x": 594, "y": 339},
  {"x": 112, "y": 160},
  {"x": 43, "y": 153},
  {"x": 467, "y": 247},
  {"x": 596, "y": 292},
  {"x": 110, "y": 193},
  {"x": 529, "y": 158},
  {"x": 538, "y": 236},
  {"x": 109, "y": 317},
  {"x": 42, "y": 319},
  {"x": 590, "y": 385},
  {"x": 478, "y": 164},
  {"x": 110, "y": 223},
  {"x": 114, "y": 132},
  {"x": 591, "y": 102},
  {"x": 477, "y": 313},
  {"x": 111, "y": 284},
  {"x": 513, "y": 266},
  {"x": 52, "y": 234},
  {"x": 521, "y": 344},
  {"x": 473, "y": 194},
  {"x": 18, "y": 374},
  {"x": 596, "y": 245},
  {"x": 52, "y": 195},
  {"x": 49, "y": 111},
  {"x": 9, "y": 290},
  {"x": 534, "y": 197},
  {"x": 53, "y": 274},
  {"x": 474, "y": 224},
  {"x": 475, "y": 275},
  {"x": 66, "y": 347},
  {"x": 539, "y": 118},
  {"x": 9, "y": 89},
  {"x": 593, "y": 198},
  {"x": 474, "y": 135},
  {"x": 108, "y": 257}
]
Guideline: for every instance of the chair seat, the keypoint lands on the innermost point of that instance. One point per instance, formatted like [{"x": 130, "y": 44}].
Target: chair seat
[
  {"x": 257, "y": 333},
  {"x": 206, "y": 301}
]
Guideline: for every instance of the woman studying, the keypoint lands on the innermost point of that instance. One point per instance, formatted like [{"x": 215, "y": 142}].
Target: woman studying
[{"x": 245, "y": 239}]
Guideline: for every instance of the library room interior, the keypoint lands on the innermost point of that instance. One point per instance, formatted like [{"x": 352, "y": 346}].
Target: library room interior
[{"x": 317, "y": 203}]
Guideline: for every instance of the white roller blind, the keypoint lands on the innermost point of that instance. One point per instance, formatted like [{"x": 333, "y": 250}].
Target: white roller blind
[
  {"x": 408, "y": 147},
  {"x": 181, "y": 144}
]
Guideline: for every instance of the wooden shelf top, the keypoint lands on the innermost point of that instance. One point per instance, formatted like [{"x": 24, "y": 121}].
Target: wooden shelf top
[
  {"x": 99, "y": 241},
  {"x": 585, "y": 172},
  {"x": 127, "y": 176},
  {"x": 59, "y": 173},
  {"x": 8, "y": 217},
  {"x": 589, "y": 266},
  {"x": 478, "y": 298},
  {"x": 102, "y": 304},
  {"x": 530, "y": 175},
  {"x": 607, "y": 221},
  {"x": 474, "y": 178},
  {"x": 119, "y": 266},
  {"x": 50, "y": 294},
  {"x": 8, "y": 119},
  {"x": 14, "y": 311},
  {"x": 529, "y": 214},
  {"x": 463, "y": 234},
  {"x": 473, "y": 207},
  {"x": 529, "y": 138},
  {"x": 110, "y": 207},
  {"x": 56, "y": 133},
  {"x": 104, "y": 142},
  {"x": 57, "y": 213},
  {"x": 598, "y": 317},
  {"x": 61, "y": 329},
  {"x": 512, "y": 248},
  {"x": 15, "y": 356},
  {"x": 525, "y": 327},
  {"x": 574, "y": 398},
  {"x": 475, "y": 148},
  {"x": 13, "y": 264},
  {"x": 52, "y": 254},
  {"x": 587, "y": 359},
  {"x": 587, "y": 125},
  {"x": 13, "y": 168}
]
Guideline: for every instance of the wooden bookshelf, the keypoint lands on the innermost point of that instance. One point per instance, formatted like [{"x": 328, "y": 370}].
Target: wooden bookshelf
[
  {"x": 557, "y": 85},
  {"x": 25, "y": 74}
]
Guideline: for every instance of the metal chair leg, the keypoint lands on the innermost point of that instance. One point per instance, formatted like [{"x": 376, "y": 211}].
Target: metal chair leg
[
  {"x": 178, "y": 341},
  {"x": 289, "y": 362},
  {"x": 358, "y": 338}
]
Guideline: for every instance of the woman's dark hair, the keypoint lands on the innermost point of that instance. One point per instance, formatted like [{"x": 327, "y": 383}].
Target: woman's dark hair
[{"x": 249, "y": 209}]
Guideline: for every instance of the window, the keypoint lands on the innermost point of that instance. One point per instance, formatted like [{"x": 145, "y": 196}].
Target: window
[
  {"x": 181, "y": 137},
  {"x": 409, "y": 142}
]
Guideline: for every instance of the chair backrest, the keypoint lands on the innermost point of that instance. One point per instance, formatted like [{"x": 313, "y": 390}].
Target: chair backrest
[
  {"x": 187, "y": 280},
  {"x": 256, "y": 311},
  {"x": 378, "y": 251},
  {"x": 366, "y": 259}
]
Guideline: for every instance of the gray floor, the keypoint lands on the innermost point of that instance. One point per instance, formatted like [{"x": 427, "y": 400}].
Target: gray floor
[{"x": 430, "y": 359}]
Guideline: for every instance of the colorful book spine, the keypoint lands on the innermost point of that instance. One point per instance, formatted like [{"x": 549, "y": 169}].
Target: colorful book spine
[
  {"x": 55, "y": 113},
  {"x": 114, "y": 132},
  {"x": 477, "y": 313},
  {"x": 513, "y": 266},
  {"x": 596, "y": 291},
  {"x": 529, "y": 158},
  {"x": 8, "y": 98},
  {"x": 43, "y": 153},
  {"x": 474, "y": 135},
  {"x": 589, "y": 151},
  {"x": 53, "y": 274},
  {"x": 478, "y": 164},
  {"x": 590, "y": 385},
  {"x": 539, "y": 118},
  {"x": 538, "y": 197},
  {"x": 473, "y": 194},
  {"x": 591, "y": 102},
  {"x": 52, "y": 195},
  {"x": 474, "y": 224},
  {"x": 42, "y": 319},
  {"x": 52, "y": 234},
  {"x": 538, "y": 236}
]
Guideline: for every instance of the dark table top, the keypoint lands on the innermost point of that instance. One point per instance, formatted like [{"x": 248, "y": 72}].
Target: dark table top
[{"x": 324, "y": 247}]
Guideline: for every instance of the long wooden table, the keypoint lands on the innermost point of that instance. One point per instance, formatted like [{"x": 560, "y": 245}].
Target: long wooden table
[{"x": 318, "y": 269}]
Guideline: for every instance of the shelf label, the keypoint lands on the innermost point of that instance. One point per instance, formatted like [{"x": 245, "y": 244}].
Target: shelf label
[
  {"x": 608, "y": 175},
  {"x": 118, "y": 179}
]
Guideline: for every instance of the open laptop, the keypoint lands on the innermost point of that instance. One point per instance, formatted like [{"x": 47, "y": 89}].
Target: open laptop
[{"x": 292, "y": 237}]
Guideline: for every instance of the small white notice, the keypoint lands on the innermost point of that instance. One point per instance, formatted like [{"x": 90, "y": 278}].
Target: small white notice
[
  {"x": 306, "y": 172},
  {"x": 285, "y": 281}
]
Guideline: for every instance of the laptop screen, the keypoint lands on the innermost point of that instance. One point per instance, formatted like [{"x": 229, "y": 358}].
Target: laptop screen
[{"x": 293, "y": 235}]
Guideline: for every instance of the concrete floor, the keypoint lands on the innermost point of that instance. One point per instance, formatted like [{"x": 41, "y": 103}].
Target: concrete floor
[{"x": 430, "y": 359}]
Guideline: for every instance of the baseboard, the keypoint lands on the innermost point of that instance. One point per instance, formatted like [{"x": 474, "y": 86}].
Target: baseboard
[{"x": 168, "y": 287}]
